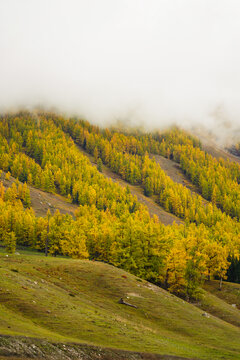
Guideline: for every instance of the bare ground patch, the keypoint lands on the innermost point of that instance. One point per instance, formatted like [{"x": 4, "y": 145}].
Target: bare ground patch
[
  {"x": 43, "y": 201},
  {"x": 13, "y": 348},
  {"x": 173, "y": 170}
]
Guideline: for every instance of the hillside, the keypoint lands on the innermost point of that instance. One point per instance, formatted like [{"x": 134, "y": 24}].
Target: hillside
[
  {"x": 77, "y": 301},
  {"x": 42, "y": 201},
  {"x": 225, "y": 303},
  {"x": 165, "y": 217},
  {"x": 114, "y": 203},
  {"x": 173, "y": 170},
  {"x": 119, "y": 180},
  {"x": 210, "y": 146}
]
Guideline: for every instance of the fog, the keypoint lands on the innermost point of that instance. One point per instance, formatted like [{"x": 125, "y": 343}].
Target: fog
[{"x": 151, "y": 62}]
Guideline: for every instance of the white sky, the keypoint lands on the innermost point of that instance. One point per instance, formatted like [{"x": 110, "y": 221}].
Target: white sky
[{"x": 151, "y": 61}]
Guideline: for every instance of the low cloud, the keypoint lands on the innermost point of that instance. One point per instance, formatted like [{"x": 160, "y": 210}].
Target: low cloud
[{"x": 150, "y": 63}]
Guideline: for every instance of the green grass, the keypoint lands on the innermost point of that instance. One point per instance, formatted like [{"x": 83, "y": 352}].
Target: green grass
[
  {"x": 230, "y": 291},
  {"x": 220, "y": 303},
  {"x": 77, "y": 301}
]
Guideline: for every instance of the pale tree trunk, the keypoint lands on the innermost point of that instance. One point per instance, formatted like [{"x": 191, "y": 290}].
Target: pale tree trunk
[
  {"x": 47, "y": 240},
  {"x": 220, "y": 284}
]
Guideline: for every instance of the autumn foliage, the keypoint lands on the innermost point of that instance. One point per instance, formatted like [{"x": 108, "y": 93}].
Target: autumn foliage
[{"x": 110, "y": 224}]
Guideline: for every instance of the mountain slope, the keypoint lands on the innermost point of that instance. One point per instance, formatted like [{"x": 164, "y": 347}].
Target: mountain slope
[
  {"x": 216, "y": 151},
  {"x": 136, "y": 190},
  {"x": 174, "y": 171},
  {"x": 77, "y": 301},
  {"x": 41, "y": 200}
]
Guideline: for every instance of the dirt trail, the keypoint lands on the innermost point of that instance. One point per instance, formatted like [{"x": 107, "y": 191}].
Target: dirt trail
[
  {"x": 154, "y": 209},
  {"x": 173, "y": 170},
  {"x": 42, "y": 201}
]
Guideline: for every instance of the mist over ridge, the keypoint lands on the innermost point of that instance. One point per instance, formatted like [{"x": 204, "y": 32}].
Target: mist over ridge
[{"x": 149, "y": 64}]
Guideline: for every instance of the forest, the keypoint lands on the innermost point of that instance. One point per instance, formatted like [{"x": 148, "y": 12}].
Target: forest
[{"x": 110, "y": 225}]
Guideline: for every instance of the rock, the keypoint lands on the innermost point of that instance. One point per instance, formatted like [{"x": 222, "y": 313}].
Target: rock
[
  {"x": 234, "y": 305},
  {"x": 206, "y": 315}
]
